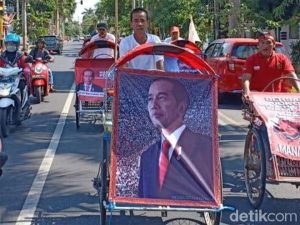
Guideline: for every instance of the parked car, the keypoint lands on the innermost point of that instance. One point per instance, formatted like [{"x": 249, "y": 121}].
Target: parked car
[
  {"x": 54, "y": 43},
  {"x": 227, "y": 57},
  {"x": 76, "y": 38}
]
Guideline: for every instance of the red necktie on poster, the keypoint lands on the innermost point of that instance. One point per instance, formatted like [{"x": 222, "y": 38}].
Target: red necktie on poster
[{"x": 164, "y": 162}]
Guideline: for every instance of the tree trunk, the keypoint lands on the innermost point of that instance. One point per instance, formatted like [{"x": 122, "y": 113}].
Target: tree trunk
[{"x": 233, "y": 22}]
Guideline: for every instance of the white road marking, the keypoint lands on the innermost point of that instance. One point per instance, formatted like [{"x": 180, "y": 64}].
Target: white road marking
[{"x": 27, "y": 213}]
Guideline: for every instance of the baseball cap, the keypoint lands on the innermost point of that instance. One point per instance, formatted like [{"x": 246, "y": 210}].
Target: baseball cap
[
  {"x": 174, "y": 29},
  {"x": 102, "y": 25}
]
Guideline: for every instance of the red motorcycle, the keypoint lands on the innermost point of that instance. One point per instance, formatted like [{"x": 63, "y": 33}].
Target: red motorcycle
[{"x": 39, "y": 86}]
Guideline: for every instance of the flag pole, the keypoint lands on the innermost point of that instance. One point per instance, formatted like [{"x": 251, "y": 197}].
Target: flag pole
[{"x": 116, "y": 27}]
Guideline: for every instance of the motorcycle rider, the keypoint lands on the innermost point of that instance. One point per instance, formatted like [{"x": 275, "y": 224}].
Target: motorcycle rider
[
  {"x": 13, "y": 57},
  {"x": 41, "y": 52}
]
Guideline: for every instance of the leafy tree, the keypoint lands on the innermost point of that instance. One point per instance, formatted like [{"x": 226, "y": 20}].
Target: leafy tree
[
  {"x": 89, "y": 21},
  {"x": 39, "y": 16}
]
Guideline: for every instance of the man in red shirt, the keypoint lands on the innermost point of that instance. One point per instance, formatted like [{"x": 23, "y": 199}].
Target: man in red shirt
[{"x": 266, "y": 65}]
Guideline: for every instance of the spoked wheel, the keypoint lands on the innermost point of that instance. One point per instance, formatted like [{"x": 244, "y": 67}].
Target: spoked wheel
[
  {"x": 102, "y": 183},
  {"x": 77, "y": 119},
  {"x": 254, "y": 168},
  {"x": 181, "y": 221},
  {"x": 4, "y": 123},
  {"x": 214, "y": 218},
  {"x": 102, "y": 194},
  {"x": 77, "y": 112}
]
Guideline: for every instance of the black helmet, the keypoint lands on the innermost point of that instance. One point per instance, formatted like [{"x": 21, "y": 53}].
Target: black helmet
[{"x": 40, "y": 40}]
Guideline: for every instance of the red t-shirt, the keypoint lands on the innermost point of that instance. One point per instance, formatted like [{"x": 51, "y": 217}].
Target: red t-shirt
[{"x": 264, "y": 70}]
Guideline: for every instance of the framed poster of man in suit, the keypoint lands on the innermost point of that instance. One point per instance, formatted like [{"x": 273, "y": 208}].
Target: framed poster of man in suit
[{"x": 165, "y": 143}]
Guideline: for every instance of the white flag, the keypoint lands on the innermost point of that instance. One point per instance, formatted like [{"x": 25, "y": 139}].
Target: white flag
[{"x": 193, "y": 35}]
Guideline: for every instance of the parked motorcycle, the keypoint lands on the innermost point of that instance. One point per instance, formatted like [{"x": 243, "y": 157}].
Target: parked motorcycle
[
  {"x": 39, "y": 78},
  {"x": 14, "y": 105}
]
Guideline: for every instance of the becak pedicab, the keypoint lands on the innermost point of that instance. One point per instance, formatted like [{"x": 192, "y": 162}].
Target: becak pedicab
[
  {"x": 91, "y": 78},
  {"x": 272, "y": 152},
  {"x": 174, "y": 64},
  {"x": 192, "y": 182}
]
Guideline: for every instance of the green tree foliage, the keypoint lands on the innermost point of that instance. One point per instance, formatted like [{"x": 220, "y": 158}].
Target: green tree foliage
[
  {"x": 89, "y": 21},
  {"x": 40, "y": 14},
  {"x": 254, "y": 15}
]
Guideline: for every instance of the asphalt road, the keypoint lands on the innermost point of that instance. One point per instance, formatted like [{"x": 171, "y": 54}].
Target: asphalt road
[{"x": 47, "y": 179}]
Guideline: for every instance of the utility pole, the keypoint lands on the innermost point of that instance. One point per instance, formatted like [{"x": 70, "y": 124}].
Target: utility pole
[
  {"x": 233, "y": 19},
  {"x": 24, "y": 24},
  {"x": 141, "y": 3},
  {"x": 1, "y": 24},
  {"x": 216, "y": 19},
  {"x": 133, "y": 4},
  {"x": 57, "y": 18},
  {"x": 18, "y": 9},
  {"x": 116, "y": 27}
]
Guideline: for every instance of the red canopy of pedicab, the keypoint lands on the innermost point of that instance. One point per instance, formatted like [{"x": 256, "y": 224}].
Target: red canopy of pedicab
[
  {"x": 88, "y": 49},
  {"x": 169, "y": 50},
  {"x": 189, "y": 45}
]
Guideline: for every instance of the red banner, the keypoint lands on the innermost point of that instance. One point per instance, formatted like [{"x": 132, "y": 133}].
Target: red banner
[
  {"x": 91, "y": 78},
  {"x": 281, "y": 114}
]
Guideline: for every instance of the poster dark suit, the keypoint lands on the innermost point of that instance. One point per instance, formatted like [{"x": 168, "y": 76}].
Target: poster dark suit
[{"x": 188, "y": 176}]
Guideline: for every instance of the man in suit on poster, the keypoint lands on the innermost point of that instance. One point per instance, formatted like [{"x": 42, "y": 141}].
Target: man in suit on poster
[
  {"x": 180, "y": 165},
  {"x": 87, "y": 85}
]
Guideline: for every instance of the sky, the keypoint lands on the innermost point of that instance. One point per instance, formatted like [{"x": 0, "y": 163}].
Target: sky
[{"x": 80, "y": 8}]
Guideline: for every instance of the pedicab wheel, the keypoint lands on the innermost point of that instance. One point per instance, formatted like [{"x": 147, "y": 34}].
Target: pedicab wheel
[
  {"x": 180, "y": 221},
  {"x": 102, "y": 193},
  {"x": 77, "y": 112},
  {"x": 102, "y": 187},
  {"x": 214, "y": 218},
  {"x": 254, "y": 168},
  {"x": 77, "y": 119}
]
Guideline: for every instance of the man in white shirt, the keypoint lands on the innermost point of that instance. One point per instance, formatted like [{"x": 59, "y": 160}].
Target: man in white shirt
[
  {"x": 139, "y": 21},
  {"x": 103, "y": 34}
]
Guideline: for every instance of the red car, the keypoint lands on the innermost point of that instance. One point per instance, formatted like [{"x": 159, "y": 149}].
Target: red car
[{"x": 227, "y": 57}]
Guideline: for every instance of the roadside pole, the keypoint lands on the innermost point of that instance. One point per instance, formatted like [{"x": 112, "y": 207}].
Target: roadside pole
[
  {"x": 24, "y": 24},
  {"x": 116, "y": 27},
  {"x": 1, "y": 24}
]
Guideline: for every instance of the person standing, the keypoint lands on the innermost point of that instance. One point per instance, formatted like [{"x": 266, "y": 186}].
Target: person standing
[
  {"x": 266, "y": 65},
  {"x": 139, "y": 22},
  {"x": 174, "y": 35},
  {"x": 171, "y": 64}
]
